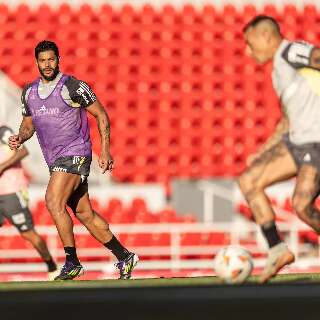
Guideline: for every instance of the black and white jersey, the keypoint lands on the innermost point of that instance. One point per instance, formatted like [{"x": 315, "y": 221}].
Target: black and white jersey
[{"x": 298, "y": 87}]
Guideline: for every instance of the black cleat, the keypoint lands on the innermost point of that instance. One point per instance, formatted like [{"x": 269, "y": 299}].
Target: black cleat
[{"x": 70, "y": 271}]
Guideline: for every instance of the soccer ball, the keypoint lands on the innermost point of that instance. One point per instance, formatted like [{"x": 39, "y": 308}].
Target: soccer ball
[{"x": 233, "y": 264}]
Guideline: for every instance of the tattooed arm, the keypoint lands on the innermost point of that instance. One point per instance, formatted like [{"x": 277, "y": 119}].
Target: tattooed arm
[
  {"x": 26, "y": 131},
  {"x": 281, "y": 128},
  {"x": 105, "y": 159}
]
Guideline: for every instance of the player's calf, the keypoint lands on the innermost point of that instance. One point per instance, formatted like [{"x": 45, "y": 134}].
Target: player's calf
[
  {"x": 307, "y": 213},
  {"x": 39, "y": 244}
]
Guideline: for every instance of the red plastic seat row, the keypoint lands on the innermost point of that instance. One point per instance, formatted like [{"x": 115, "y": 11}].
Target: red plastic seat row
[{"x": 155, "y": 63}]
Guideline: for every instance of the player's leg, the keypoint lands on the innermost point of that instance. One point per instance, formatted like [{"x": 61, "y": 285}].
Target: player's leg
[
  {"x": 17, "y": 212},
  {"x": 306, "y": 190},
  {"x": 80, "y": 204},
  {"x": 61, "y": 186},
  {"x": 273, "y": 166},
  {"x": 276, "y": 164},
  {"x": 40, "y": 245}
]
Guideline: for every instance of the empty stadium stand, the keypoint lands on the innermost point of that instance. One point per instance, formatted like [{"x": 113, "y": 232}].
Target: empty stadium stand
[{"x": 183, "y": 98}]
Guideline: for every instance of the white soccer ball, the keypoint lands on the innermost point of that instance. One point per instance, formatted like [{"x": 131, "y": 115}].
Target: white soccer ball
[{"x": 233, "y": 264}]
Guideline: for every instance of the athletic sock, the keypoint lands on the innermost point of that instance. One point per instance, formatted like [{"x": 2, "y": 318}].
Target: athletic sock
[
  {"x": 117, "y": 248},
  {"x": 271, "y": 234},
  {"x": 71, "y": 255},
  {"x": 51, "y": 265}
]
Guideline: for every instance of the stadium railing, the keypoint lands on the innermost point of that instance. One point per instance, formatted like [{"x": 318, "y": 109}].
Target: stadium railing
[{"x": 177, "y": 256}]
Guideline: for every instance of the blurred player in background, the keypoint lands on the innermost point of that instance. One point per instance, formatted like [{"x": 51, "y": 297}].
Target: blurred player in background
[
  {"x": 293, "y": 150},
  {"x": 55, "y": 106},
  {"x": 14, "y": 197}
]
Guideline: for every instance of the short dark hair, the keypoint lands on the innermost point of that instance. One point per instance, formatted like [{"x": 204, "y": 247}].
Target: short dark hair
[
  {"x": 46, "y": 45},
  {"x": 257, "y": 19}
]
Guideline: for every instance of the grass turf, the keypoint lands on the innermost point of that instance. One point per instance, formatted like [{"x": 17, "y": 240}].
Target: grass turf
[{"x": 156, "y": 282}]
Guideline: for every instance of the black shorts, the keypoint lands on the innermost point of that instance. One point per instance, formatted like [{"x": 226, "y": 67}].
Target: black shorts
[
  {"x": 307, "y": 153},
  {"x": 14, "y": 207},
  {"x": 74, "y": 164}
]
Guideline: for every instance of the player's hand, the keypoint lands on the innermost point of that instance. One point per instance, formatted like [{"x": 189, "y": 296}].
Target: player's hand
[
  {"x": 106, "y": 162},
  {"x": 14, "y": 142},
  {"x": 1, "y": 169}
]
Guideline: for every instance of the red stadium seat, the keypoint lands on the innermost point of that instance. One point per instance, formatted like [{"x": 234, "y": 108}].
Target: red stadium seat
[{"x": 161, "y": 80}]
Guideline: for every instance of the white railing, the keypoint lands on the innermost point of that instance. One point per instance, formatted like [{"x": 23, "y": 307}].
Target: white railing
[{"x": 237, "y": 232}]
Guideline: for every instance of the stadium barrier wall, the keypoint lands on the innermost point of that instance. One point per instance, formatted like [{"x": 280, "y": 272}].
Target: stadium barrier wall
[{"x": 175, "y": 251}]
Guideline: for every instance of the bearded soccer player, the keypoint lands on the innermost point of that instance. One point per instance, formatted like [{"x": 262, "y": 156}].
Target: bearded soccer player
[
  {"x": 293, "y": 150},
  {"x": 55, "y": 107},
  {"x": 14, "y": 198}
]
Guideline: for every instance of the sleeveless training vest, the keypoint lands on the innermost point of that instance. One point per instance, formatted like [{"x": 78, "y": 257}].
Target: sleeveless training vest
[{"x": 61, "y": 129}]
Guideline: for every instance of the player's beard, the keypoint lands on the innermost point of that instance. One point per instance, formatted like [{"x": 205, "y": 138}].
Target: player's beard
[{"x": 53, "y": 76}]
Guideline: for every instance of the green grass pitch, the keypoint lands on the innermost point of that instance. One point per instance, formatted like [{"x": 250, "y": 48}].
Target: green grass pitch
[{"x": 156, "y": 282}]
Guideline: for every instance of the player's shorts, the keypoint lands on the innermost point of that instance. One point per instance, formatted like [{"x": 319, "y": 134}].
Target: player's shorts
[
  {"x": 75, "y": 164},
  {"x": 14, "y": 207},
  {"x": 307, "y": 153}
]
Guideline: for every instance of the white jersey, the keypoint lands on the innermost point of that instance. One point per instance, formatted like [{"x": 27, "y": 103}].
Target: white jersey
[
  {"x": 298, "y": 88},
  {"x": 13, "y": 179}
]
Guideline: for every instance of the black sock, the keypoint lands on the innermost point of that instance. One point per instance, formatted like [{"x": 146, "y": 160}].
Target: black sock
[
  {"x": 51, "y": 265},
  {"x": 117, "y": 248},
  {"x": 271, "y": 234},
  {"x": 71, "y": 255}
]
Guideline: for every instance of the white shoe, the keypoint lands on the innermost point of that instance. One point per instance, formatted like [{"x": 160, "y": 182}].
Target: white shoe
[
  {"x": 278, "y": 257},
  {"x": 53, "y": 274}
]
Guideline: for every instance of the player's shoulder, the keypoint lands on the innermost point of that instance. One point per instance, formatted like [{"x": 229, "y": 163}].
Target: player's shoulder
[
  {"x": 80, "y": 91},
  {"x": 27, "y": 87},
  {"x": 297, "y": 53},
  {"x": 297, "y": 46},
  {"x": 25, "y": 96},
  {"x": 72, "y": 81}
]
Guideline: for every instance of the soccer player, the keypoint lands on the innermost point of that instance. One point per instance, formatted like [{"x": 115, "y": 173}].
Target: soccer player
[
  {"x": 293, "y": 150},
  {"x": 55, "y": 106},
  {"x": 14, "y": 198}
]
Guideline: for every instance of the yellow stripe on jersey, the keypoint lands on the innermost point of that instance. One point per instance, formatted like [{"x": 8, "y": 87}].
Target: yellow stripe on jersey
[{"x": 313, "y": 78}]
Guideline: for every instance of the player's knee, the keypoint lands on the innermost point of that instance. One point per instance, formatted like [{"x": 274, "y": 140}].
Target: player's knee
[
  {"x": 106, "y": 225},
  {"x": 248, "y": 185},
  {"x": 55, "y": 205},
  {"x": 243, "y": 183},
  {"x": 31, "y": 236},
  {"x": 27, "y": 235},
  {"x": 300, "y": 206},
  {"x": 86, "y": 217}
]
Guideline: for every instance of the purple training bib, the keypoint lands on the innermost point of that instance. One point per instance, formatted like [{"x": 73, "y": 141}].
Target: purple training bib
[{"x": 61, "y": 129}]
